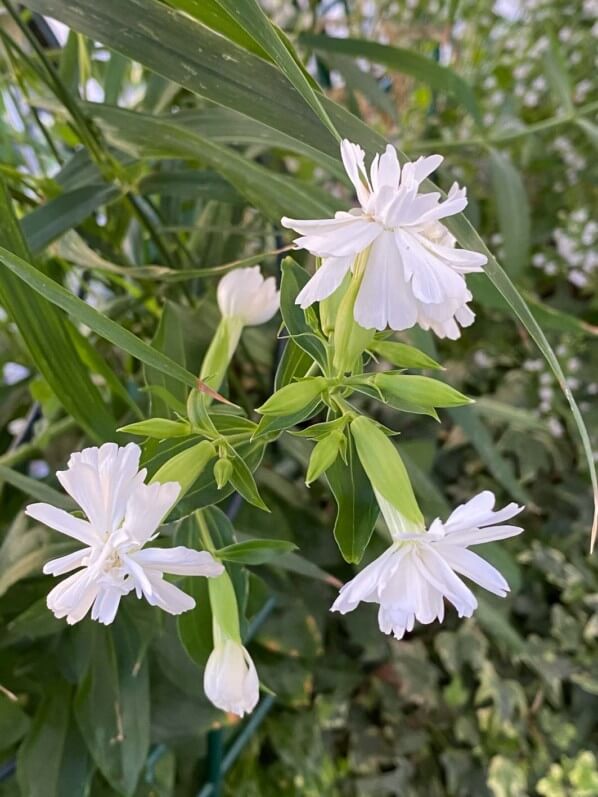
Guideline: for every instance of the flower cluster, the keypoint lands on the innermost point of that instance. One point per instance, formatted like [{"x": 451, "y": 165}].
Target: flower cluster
[{"x": 399, "y": 266}]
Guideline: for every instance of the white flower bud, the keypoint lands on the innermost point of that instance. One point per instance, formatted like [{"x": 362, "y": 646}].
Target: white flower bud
[
  {"x": 230, "y": 679},
  {"x": 246, "y": 295}
]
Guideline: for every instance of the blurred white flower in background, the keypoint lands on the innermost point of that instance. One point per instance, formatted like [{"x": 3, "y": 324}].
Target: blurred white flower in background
[
  {"x": 411, "y": 578},
  {"x": 410, "y": 271},
  {"x": 230, "y": 679},
  {"x": 122, "y": 514},
  {"x": 12, "y": 373}
]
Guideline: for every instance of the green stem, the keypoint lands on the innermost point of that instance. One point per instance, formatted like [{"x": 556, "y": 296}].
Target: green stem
[
  {"x": 481, "y": 141},
  {"x": 204, "y": 532}
]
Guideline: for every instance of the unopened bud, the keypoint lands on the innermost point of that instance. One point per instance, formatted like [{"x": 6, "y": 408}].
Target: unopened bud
[{"x": 223, "y": 470}]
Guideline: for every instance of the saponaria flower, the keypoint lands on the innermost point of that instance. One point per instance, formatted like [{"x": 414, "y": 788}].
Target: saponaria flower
[
  {"x": 413, "y": 576},
  {"x": 122, "y": 515},
  {"x": 410, "y": 270}
]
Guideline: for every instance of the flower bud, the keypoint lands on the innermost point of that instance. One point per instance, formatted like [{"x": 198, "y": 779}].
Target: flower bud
[
  {"x": 223, "y": 470},
  {"x": 420, "y": 390},
  {"x": 324, "y": 455},
  {"x": 230, "y": 679},
  {"x": 186, "y": 466},
  {"x": 246, "y": 295},
  {"x": 294, "y": 397},
  {"x": 160, "y": 428}
]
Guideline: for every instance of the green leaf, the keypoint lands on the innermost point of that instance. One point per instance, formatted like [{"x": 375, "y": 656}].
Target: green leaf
[
  {"x": 294, "y": 364},
  {"x": 112, "y": 705},
  {"x": 555, "y": 69},
  {"x": 168, "y": 340},
  {"x": 98, "y": 322},
  {"x": 294, "y": 279},
  {"x": 14, "y": 723},
  {"x": 59, "y": 215},
  {"x": 254, "y": 552},
  {"x": 48, "y": 338},
  {"x": 513, "y": 211},
  {"x": 252, "y": 18},
  {"x": 357, "y": 508},
  {"x": 438, "y": 77},
  {"x": 53, "y": 761},
  {"x": 205, "y": 61},
  {"x": 35, "y": 488},
  {"x": 385, "y": 469},
  {"x": 275, "y": 194},
  {"x": 402, "y": 356}
]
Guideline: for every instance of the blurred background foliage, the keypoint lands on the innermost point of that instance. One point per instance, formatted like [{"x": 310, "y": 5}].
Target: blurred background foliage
[{"x": 136, "y": 173}]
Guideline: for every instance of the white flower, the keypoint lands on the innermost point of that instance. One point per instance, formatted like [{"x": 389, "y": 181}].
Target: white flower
[
  {"x": 245, "y": 295},
  {"x": 411, "y": 579},
  {"x": 412, "y": 272},
  {"x": 230, "y": 679},
  {"x": 122, "y": 514}
]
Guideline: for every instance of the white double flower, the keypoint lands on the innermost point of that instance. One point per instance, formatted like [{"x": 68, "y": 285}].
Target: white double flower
[
  {"x": 122, "y": 515},
  {"x": 395, "y": 244},
  {"x": 411, "y": 579}
]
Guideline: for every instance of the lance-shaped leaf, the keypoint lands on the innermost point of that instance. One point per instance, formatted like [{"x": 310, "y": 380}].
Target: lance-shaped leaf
[
  {"x": 357, "y": 509},
  {"x": 48, "y": 338}
]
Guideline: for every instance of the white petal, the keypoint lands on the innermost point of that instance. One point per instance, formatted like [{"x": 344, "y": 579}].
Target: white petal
[
  {"x": 353, "y": 160},
  {"x": 455, "y": 202},
  {"x": 322, "y": 226},
  {"x": 384, "y": 297},
  {"x": 350, "y": 239},
  {"x": 73, "y": 597},
  {"x": 365, "y": 585},
  {"x": 106, "y": 605},
  {"x": 424, "y": 166},
  {"x": 101, "y": 480},
  {"x": 415, "y": 172},
  {"x": 465, "y": 261},
  {"x": 472, "y": 566},
  {"x": 325, "y": 281},
  {"x": 478, "y": 511},
  {"x": 385, "y": 170},
  {"x": 433, "y": 281},
  {"x": 433, "y": 567},
  {"x": 166, "y": 595},
  {"x": 147, "y": 506},
  {"x": 477, "y": 536},
  {"x": 59, "y": 520},
  {"x": 64, "y": 564},
  {"x": 178, "y": 561}
]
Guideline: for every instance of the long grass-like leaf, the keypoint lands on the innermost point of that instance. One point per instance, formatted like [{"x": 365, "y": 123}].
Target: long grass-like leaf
[{"x": 99, "y": 323}]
